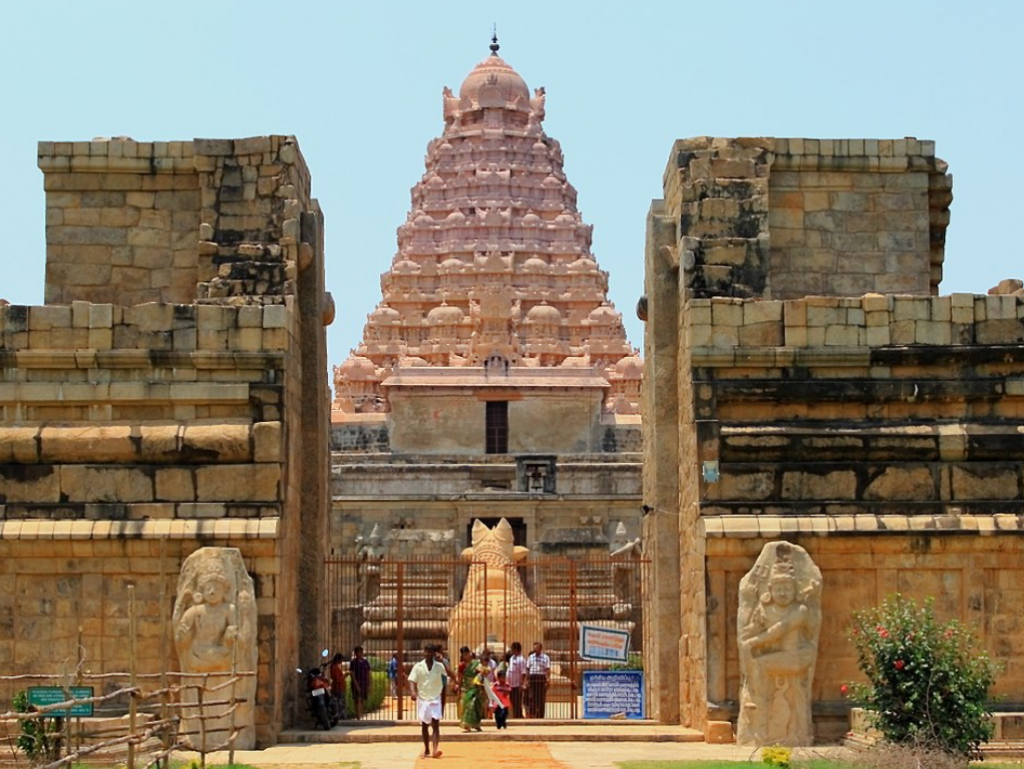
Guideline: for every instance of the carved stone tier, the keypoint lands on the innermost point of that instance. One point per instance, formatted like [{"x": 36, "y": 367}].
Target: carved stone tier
[{"x": 493, "y": 260}]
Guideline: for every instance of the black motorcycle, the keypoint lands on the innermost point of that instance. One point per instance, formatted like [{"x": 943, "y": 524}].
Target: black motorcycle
[{"x": 324, "y": 709}]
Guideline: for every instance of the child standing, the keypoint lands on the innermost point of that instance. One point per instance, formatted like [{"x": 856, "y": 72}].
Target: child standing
[{"x": 503, "y": 693}]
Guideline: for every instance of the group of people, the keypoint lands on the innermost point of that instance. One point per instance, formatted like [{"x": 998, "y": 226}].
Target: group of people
[
  {"x": 511, "y": 687},
  {"x": 514, "y": 686},
  {"x": 358, "y": 675}
]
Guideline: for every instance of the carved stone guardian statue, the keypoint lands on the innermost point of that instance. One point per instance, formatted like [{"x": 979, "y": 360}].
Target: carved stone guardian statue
[
  {"x": 214, "y": 625},
  {"x": 778, "y": 626}
]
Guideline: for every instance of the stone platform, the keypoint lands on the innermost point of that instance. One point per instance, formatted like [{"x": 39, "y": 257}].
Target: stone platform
[{"x": 525, "y": 730}]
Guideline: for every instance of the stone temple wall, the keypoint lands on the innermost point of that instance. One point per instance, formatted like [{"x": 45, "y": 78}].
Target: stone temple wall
[
  {"x": 132, "y": 434},
  {"x": 881, "y": 432},
  {"x": 784, "y": 218}
]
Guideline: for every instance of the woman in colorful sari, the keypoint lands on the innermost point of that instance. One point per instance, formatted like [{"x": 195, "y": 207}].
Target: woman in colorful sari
[{"x": 473, "y": 696}]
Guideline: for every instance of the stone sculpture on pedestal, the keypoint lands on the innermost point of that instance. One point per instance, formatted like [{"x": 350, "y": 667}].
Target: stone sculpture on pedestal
[
  {"x": 371, "y": 554},
  {"x": 494, "y": 608},
  {"x": 214, "y": 624},
  {"x": 624, "y": 553},
  {"x": 778, "y": 626}
]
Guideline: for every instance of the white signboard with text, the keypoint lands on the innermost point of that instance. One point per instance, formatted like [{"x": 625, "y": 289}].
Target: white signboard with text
[{"x": 604, "y": 644}]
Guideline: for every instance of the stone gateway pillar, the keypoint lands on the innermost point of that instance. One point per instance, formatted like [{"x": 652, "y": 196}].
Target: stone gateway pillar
[
  {"x": 215, "y": 632},
  {"x": 778, "y": 624}
]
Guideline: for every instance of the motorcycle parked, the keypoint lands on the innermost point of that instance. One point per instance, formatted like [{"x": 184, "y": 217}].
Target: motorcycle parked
[{"x": 324, "y": 709}]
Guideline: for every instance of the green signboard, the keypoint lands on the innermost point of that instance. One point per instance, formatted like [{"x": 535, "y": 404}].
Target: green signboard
[{"x": 51, "y": 695}]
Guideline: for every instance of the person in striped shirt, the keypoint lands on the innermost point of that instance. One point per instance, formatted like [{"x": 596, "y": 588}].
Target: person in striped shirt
[
  {"x": 538, "y": 670},
  {"x": 517, "y": 678}
]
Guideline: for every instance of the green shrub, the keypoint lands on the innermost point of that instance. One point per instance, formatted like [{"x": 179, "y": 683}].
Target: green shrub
[
  {"x": 776, "y": 755},
  {"x": 927, "y": 682},
  {"x": 634, "y": 662},
  {"x": 39, "y": 738},
  {"x": 379, "y": 688}
]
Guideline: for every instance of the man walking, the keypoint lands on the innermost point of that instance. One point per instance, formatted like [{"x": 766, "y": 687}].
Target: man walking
[
  {"x": 538, "y": 668},
  {"x": 517, "y": 678},
  {"x": 426, "y": 682}
]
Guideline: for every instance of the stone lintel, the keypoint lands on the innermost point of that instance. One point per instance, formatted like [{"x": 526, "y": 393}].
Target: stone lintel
[
  {"x": 774, "y": 526},
  {"x": 264, "y": 528},
  {"x": 718, "y": 357},
  {"x": 132, "y": 359}
]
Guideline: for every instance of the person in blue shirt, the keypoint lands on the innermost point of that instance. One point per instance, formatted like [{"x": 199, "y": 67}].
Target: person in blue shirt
[{"x": 393, "y": 674}]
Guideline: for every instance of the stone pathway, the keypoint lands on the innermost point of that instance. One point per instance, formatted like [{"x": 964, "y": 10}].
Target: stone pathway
[
  {"x": 496, "y": 755},
  {"x": 491, "y": 754}
]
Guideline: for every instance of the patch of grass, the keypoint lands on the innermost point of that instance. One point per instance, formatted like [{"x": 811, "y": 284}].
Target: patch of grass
[{"x": 814, "y": 763}]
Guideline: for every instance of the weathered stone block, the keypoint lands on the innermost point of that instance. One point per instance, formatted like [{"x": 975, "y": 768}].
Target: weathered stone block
[
  {"x": 238, "y": 483},
  {"x": 726, "y": 313},
  {"x": 719, "y": 733},
  {"x": 217, "y": 443},
  {"x": 877, "y": 336},
  {"x": 29, "y": 483},
  {"x": 837, "y": 484},
  {"x": 768, "y": 334},
  {"x": 267, "y": 441},
  {"x": 999, "y": 331},
  {"x": 175, "y": 484},
  {"x": 843, "y": 336},
  {"x": 744, "y": 485},
  {"x": 96, "y": 483},
  {"x": 19, "y": 444},
  {"x": 762, "y": 312},
  {"x": 992, "y": 481},
  {"x": 275, "y": 317},
  {"x": 914, "y": 483},
  {"x": 87, "y": 443}
]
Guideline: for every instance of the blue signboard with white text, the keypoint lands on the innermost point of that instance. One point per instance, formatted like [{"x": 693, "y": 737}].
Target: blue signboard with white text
[{"x": 614, "y": 694}]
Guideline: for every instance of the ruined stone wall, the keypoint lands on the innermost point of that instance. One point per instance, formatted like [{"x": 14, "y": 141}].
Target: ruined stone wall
[
  {"x": 111, "y": 440},
  {"x": 879, "y": 431},
  {"x": 783, "y": 218},
  {"x": 889, "y": 424},
  {"x": 122, "y": 221},
  {"x": 155, "y": 428}
]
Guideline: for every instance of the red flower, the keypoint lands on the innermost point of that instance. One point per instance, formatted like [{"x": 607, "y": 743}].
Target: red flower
[
  {"x": 883, "y": 633},
  {"x": 844, "y": 689},
  {"x": 899, "y": 664},
  {"x": 856, "y": 631}
]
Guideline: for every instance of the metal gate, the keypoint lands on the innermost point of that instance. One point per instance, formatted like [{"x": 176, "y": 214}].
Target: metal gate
[{"x": 392, "y": 609}]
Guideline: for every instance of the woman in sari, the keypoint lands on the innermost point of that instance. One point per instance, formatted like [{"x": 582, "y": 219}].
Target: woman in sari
[{"x": 473, "y": 696}]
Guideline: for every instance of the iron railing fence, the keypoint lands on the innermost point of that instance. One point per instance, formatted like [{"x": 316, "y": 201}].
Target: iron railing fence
[{"x": 395, "y": 608}]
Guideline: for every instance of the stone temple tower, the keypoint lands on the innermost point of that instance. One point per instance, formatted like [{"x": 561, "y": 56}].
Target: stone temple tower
[
  {"x": 494, "y": 378},
  {"x": 494, "y": 271},
  {"x": 494, "y": 390}
]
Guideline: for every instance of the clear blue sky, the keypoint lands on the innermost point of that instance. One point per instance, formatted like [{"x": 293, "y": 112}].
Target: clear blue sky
[{"x": 360, "y": 85}]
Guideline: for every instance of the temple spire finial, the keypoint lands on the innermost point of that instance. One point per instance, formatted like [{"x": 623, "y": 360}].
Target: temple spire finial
[{"x": 494, "y": 41}]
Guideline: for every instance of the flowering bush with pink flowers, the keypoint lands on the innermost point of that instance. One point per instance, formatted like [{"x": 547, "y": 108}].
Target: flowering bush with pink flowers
[{"x": 928, "y": 682}]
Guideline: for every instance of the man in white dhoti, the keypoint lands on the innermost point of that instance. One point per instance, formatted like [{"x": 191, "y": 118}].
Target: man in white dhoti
[{"x": 426, "y": 682}]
